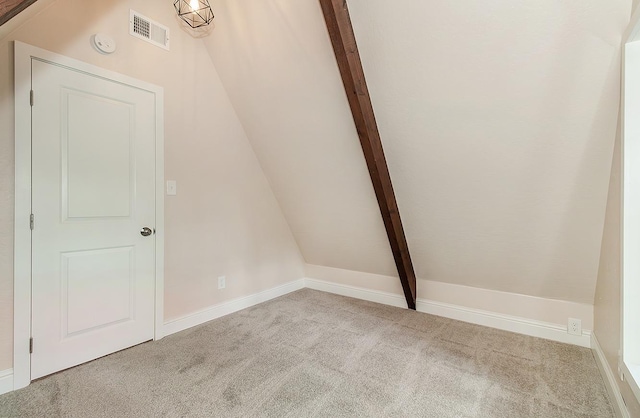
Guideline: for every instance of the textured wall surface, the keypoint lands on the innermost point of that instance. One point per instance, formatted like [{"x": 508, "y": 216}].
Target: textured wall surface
[
  {"x": 497, "y": 117},
  {"x": 225, "y": 219}
]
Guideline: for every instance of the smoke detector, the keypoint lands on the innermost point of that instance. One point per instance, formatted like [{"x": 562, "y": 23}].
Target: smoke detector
[{"x": 103, "y": 43}]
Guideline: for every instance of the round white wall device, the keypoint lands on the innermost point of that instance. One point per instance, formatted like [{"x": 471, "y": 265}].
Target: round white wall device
[{"x": 103, "y": 43}]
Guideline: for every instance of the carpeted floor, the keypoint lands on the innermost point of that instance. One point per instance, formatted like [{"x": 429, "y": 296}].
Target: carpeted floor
[{"x": 313, "y": 354}]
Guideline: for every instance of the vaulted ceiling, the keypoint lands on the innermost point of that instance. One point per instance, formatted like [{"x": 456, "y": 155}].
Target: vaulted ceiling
[{"x": 497, "y": 117}]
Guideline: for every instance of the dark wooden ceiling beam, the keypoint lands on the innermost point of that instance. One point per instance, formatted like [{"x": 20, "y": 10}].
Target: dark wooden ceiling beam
[
  {"x": 336, "y": 15},
  {"x": 10, "y": 8}
]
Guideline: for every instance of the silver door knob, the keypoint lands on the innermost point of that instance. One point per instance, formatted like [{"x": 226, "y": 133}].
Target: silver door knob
[{"x": 145, "y": 232}]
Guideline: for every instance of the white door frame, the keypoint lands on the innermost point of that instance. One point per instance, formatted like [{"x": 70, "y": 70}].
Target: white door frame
[
  {"x": 630, "y": 219},
  {"x": 24, "y": 54}
]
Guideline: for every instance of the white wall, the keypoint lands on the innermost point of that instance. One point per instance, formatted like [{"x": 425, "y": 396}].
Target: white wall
[
  {"x": 225, "y": 219},
  {"x": 276, "y": 62},
  {"x": 497, "y": 117}
]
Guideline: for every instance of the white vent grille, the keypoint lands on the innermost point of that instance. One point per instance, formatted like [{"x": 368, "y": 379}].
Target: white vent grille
[{"x": 146, "y": 29}]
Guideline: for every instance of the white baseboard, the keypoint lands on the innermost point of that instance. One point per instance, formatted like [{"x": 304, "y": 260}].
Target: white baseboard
[
  {"x": 6, "y": 381},
  {"x": 546, "y": 330},
  {"x": 540, "y": 329},
  {"x": 548, "y": 311},
  {"x": 377, "y": 296},
  {"x": 230, "y": 307},
  {"x": 609, "y": 380}
]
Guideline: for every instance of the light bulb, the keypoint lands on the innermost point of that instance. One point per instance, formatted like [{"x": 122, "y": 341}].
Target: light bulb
[{"x": 195, "y": 5}]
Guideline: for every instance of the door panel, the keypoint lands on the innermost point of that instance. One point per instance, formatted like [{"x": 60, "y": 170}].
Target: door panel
[
  {"x": 103, "y": 186},
  {"x": 100, "y": 282},
  {"x": 93, "y": 274}
]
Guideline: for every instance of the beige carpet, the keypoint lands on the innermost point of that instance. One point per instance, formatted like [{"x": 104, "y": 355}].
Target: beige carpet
[{"x": 312, "y": 354}]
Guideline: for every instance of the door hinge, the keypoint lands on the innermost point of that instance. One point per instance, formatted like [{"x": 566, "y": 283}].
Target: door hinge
[
  {"x": 31, "y": 97},
  {"x": 31, "y": 345},
  {"x": 31, "y": 219}
]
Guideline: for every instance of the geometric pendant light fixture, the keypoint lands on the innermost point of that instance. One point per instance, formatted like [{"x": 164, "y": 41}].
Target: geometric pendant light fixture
[{"x": 196, "y": 13}]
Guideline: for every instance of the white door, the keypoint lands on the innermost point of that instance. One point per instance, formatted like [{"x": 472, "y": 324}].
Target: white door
[{"x": 93, "y": 274}]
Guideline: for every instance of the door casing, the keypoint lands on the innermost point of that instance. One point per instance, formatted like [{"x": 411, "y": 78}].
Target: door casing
[{"x": 24, "y": 54}]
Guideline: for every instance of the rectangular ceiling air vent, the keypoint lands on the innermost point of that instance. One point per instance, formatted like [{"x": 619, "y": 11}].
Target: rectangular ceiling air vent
[{"x": 146, "y": 29}]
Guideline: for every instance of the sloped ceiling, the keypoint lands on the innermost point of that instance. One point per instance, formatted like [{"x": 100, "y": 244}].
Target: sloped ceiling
[{"x": 497, "y": 117}]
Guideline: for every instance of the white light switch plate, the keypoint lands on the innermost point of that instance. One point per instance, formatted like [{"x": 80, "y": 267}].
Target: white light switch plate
[{"x": 172, "y": 188}]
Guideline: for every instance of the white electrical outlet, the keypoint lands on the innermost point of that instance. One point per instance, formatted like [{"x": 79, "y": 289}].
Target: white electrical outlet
[
  {"x": 575, "y": 326},
  {"x": 222, "y": 282},
  {"x": 620, "y": 372},
  {"x": 172, "y": 188},
  {"x": 620, "y": 368}
]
